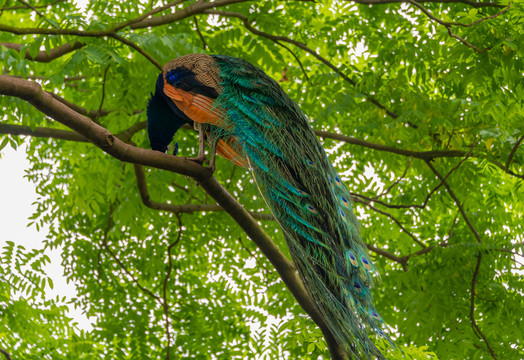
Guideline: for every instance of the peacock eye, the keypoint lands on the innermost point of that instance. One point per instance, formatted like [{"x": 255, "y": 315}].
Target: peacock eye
[
  {"x": 343, "y": 215},
  {"x": 311, "y": 208},
  {"x": 344, "y": 200},
  {"x": 352, "y": 258},
  {"x": 365, "y": 262}
]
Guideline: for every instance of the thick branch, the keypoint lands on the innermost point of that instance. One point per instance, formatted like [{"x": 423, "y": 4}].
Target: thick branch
[
  {"x": 43, "y": 101},
  {"x": 32, "y": 93},
  {"x": 46, "y": 56}
]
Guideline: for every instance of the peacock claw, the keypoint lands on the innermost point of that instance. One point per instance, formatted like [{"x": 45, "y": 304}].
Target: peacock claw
[{"x": 198, "y": 159}]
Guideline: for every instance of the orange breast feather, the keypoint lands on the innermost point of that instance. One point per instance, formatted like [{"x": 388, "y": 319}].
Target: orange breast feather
[{"x": 200, "y": 109}]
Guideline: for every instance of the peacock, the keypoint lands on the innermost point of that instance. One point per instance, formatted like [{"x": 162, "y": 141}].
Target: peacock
[{"x": 247, "y": 118}]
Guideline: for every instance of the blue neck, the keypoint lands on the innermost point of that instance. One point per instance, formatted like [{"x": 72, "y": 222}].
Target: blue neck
[{"x": 163, "y": 118}]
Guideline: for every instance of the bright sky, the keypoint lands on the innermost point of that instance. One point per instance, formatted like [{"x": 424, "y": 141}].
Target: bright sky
[{"x": 16, "y": 196}]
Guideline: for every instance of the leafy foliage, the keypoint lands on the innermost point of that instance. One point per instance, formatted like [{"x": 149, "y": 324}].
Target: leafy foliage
[{"x": 388, "y": 74}]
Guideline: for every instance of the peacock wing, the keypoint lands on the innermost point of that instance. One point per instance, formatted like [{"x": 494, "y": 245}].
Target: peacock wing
[{"x": 192, "y": 83}]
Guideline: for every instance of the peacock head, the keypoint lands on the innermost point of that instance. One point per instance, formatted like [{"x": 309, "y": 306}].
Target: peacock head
[{"x": 163, "y": 118}]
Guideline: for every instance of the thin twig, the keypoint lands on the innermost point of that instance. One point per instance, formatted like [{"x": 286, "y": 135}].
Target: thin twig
[
  {"x": 399, "y": 224},
  {"x": 396, "y": 182},
  {"x": 467, "y": 2},
  {"x": 6, "y": 354},
  {"x": 275, "y": 38},
  {"x": 424, "y": 155},
  {"x": 296, "y": 58},
  {"x": 449, "y": 24},
  {"x": 388, "y": 255},
  {"x": 513, "y": 151},
  {"x": 115, "y": 258},
  {"x": 103, "y": 95},
  {"x": 454, "y": 23},
  {"x": 423, "y": 205},
  {"x": 38, "y": 13},
  {"x": 204, "y": 43},
  {"x": 165, "y": 303},
  {"x": 252, "y": 255},
  {"x": 47, "y": 56},
  {"x": 507, "y": 170},
  {"x": 137, "y": 48},
  {"x": 179, "y": 209},
  {"x": 457, "y": 202},
  {"x": 474, "y": 324},
  {"x": 124, "y": 24},
  {"x": 25, "y": 7}
]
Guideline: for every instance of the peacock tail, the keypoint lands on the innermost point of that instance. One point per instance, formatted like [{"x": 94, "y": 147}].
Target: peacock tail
[{"x": 255, "y": 124}]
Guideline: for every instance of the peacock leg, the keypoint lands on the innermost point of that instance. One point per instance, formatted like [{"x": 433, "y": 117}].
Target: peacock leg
[
  {"x": 201, "y": 157},
  {"x": 213, "y": 155}
]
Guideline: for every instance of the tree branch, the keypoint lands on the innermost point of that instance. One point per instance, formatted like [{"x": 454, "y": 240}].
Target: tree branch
[
  {"x": 457, "y": 202},
  {"x": 87, "y": 33},
  {"x": 33, "y": 93},
  {"x": 424, "y": 155},
  {"x": 513, "y": 151},
  {"x": 41, "y": 132},
  {"x": 396, "y": 181},
  {"x": 166, "y": 282},
  {"x": 467, "y": 2},
  {"x": 138, "y": 49},
  {"x": 401, "y": 260},
  {"x": 423, "y": 205},
  {"x": 6, "y": 354},
  {"x": 19, "y": 7},
  {"x": 47, "y": 56},
  {"x": 276, "y": 39},
  {"x": 396, "y": 221},
  {"x": 118, "y": 261},
  {"x": 505, "y": 169},
  {"x": 178, "y": 209},
  {"x": 474, "y": 324},
  {"x": 197, "y": 28},
  {"x": 29, "y": 6},
  {"x": 103, "y": 95},
  {"x": 448, "y": 25}
]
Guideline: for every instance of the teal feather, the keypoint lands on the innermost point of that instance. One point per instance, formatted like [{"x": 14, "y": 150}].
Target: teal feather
[
  {"x": 307, "y": 197},
  {"x": 295, "y": 178}
]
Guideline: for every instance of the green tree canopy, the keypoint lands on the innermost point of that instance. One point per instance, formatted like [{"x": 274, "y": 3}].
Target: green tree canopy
[{"x": 420, "y": 106}]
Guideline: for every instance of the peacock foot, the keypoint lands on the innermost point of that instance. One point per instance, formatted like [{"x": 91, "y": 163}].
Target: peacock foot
[{"x": 198, "y": 159}]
